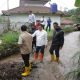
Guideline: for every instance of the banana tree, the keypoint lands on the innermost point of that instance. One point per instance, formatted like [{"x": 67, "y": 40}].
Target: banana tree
[{"x": 77, "y": 3}]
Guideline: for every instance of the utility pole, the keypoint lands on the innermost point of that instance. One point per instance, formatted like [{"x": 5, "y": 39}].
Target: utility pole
[
  {"x": 7, "y": 4},
  {"x": 8, "y": 14}
]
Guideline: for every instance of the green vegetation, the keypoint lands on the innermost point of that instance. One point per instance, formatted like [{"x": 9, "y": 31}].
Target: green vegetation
[
  {"x": 50, "y": 34},
  {"x": 68, "y": 29},
  {"x": 9, "y": 43},
  {"x": 75, "y": 15},
  {"x": 77, "y": 3},
  {"x": 9, "y": 37}
]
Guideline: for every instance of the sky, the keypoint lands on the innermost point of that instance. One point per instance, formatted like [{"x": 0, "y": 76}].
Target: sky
[{"x": 62, "y": 4}]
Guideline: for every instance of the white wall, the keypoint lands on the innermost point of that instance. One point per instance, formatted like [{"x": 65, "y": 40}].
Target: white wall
[
  {"x": 23, "y": 18},
  {"x": 3, "y": 27}
]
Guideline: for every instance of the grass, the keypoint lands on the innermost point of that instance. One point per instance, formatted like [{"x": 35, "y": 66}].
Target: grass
[
  {"x": 50, "y": 34},
  {"x": 9, "y": 37}
]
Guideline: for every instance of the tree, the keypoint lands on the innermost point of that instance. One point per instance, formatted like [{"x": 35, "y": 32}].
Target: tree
[
  {"x": 75, "y": 15},
  {"x": 77, "y": 3}
]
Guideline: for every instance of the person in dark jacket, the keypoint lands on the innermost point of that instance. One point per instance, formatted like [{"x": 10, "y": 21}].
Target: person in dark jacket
[
  {"x": 48, "y": 24},
  {"x": 57, "y": 42}
]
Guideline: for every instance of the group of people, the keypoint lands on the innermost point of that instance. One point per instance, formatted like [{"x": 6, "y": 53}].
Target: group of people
[
  {"x": 33, "y": 22},
  {"x": 25, "y": 43},
  {"x": 43, "y": 22}
]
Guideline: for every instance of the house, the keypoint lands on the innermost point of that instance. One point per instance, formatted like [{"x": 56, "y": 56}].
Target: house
[
  {"x": 66, "y": 22},
  {"x": 19, "y": 15}
]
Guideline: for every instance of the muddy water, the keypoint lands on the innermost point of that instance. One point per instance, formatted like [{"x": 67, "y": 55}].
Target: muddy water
[{"x": 71, "y": 47}]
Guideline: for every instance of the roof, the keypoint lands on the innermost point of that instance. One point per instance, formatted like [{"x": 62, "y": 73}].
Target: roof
[
  {"x": 34, "y": 9},
  {"x": 23, "y": 2},
  {"x": 67, "y": 22}
]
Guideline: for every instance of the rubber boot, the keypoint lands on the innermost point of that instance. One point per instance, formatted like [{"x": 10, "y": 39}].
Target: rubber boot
[
  {"x": 26, "y": 72},
  {"x": 30, "y": 66},
  {"x": 53, "y": 57},
  {"x": 41, "y": 57},
  {"x": 57, "y": 60},
  {"x": 35, "y": 56}
]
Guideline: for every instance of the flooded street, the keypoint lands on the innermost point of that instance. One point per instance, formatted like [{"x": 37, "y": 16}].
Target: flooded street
[{"x": 51, "y": 71}]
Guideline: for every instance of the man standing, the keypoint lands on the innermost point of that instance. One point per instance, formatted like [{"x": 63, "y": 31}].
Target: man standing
[
  {"x": 41, "y": 42},
  {"x": 31, "y": 20},
  {"x": 57, "y": 42},
  {"x": 43, "y": 22},
  {"x": 25, "y": 43},
  {"x": 48, "y": 24}
]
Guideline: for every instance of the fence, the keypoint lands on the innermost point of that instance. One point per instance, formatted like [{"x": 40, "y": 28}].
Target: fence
[
  {"x": 17, "y": 26},
  {"x": 13, "y": 26},
  {"x": 3, "y": 27}
]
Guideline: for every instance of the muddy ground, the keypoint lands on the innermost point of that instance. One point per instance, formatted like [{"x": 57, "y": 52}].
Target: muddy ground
[
  {"x": 11, "y": 68},
  {"x": 40, "y": 71}
]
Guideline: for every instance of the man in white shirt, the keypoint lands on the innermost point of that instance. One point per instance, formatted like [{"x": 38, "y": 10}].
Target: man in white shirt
[
  {"x": 31, "y": 20},
  {"x": 41, "y": 42}
]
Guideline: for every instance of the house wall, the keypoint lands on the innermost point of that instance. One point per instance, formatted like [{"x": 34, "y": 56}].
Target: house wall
[{"x": 20, "y": 19}]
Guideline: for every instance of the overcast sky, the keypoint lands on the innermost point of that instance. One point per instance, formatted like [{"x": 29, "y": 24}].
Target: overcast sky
[{"x": 61, "y": 4}]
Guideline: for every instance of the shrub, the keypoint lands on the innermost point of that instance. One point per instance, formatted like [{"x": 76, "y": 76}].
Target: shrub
[
  {"x": 68, "y": 29},
  {"x": 9, "y": 37},
  {"x": 9, "y": 44}
]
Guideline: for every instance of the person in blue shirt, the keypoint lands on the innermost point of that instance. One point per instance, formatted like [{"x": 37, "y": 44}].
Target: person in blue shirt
[{"x": 48, "y": 24}]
